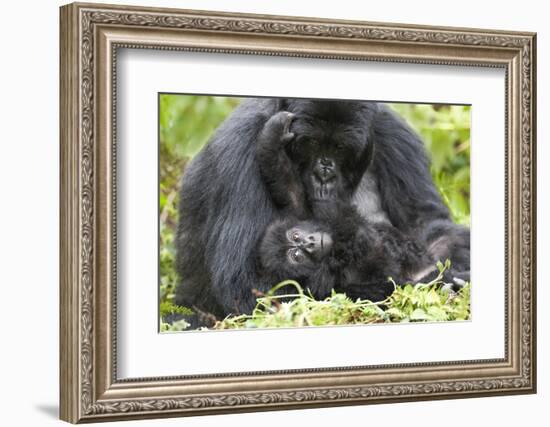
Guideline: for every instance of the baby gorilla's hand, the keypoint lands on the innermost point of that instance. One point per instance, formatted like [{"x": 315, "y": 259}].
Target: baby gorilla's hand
[{"x": 277, "y": 128}]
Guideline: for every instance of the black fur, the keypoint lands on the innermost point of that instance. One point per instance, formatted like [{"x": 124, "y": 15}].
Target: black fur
[
  {"x": 225, "y": 205},
  {"x": 361, "y": 259}
]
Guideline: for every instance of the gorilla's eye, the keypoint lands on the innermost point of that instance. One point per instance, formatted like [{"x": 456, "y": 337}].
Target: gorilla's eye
[
  {"x": 293, "y": 235},
  {"x": 296, "y": 256},
  {"x": 339, "y": 146},
  {"x": 305, "y": 140}
]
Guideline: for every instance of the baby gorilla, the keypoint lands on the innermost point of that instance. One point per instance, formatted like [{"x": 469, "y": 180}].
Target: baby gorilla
[{"x": 341, "y": 252}]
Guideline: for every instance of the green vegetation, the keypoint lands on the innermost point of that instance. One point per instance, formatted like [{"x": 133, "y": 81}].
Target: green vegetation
[
  {"x": 186, "y": 124},
  {"x": 429, "y": 302}
]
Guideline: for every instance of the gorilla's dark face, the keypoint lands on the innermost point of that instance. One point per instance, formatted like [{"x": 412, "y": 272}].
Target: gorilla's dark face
[
  {"x": 294, "y": 249},
  {"x": 332, "y": 146}
]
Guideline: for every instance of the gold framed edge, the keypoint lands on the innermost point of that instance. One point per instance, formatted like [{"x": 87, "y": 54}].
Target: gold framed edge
[{"x": 89, "y": 38}]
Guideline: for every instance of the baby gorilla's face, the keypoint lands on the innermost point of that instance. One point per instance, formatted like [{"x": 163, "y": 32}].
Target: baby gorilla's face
[
  {"x": 306, "y": 244},
  {"x": 293, "y": 249}
]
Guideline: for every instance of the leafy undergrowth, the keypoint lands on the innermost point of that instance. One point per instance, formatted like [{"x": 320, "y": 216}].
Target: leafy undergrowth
[{"x": 429, "y": 302}]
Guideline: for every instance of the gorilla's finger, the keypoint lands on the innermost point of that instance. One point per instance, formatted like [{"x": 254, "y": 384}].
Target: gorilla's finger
[{"x": 289, "y": 118}]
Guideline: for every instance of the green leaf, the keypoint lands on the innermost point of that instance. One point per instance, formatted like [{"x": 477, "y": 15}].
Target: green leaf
[{"x": 419, "y": 314}]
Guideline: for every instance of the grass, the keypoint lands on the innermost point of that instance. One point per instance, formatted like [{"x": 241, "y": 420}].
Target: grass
[{"x": 429, "y": 302}]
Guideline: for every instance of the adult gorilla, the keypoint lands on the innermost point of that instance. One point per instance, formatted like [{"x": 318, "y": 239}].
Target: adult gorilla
[{"x": 225, "y": 205}]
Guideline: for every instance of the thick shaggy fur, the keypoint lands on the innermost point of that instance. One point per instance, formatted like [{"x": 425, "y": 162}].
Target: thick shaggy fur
[{"x": 225, "y": 205}]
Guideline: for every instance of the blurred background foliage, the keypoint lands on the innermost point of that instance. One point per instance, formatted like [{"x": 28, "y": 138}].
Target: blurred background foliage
[
  {"x": 445, "y": 130},
  {"x": 187, "y": 122}
]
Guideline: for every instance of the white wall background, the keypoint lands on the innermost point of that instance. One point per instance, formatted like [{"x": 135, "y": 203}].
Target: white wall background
[{"x": 29, "y": 170}]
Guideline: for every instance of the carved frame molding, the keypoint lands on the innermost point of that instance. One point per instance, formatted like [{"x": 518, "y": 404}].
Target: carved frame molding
[{"x": 90, "y": 37}]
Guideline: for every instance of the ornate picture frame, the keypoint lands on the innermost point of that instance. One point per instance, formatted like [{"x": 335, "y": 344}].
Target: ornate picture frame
[{"x": 90, "y": 37}]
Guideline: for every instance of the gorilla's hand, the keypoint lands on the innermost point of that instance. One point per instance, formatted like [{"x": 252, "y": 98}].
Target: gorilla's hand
[
  {"x": 276, "y": 132},
  {"x": 278, "y": 172}
]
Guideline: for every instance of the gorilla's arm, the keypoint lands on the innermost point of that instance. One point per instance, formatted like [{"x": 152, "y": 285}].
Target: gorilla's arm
[
  {"x": 402, "y": 169},
  {"x": 277, "y": 170},
  {"x": 446, "y": 240},
  {"x": 408, "y": 194}
]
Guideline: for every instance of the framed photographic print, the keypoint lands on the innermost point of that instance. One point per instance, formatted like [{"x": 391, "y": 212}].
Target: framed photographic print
[{"x": 266, "y": 212}]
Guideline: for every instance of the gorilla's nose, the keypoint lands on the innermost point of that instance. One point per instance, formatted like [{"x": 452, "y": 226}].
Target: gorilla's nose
[
  {"x": 324, "y": 170},
  {"x": 328, "y": 163},
  {"x": 310, "y": 247},
  {"x": 309, "y": 242}
]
